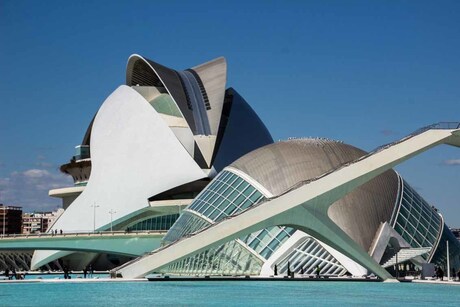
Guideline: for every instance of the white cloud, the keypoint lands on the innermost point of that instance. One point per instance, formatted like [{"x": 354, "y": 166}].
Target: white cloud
[
  {"x": 29, "y": 189},
  {"x": 44, "y": 164},
  {"x": 36, "y": 173},
  {"x": 4, "y": 182},
  {"x": 452, "y": 162}
]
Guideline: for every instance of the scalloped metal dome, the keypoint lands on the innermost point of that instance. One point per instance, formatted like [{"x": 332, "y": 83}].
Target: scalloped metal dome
[{"x": 281, "y": 165}]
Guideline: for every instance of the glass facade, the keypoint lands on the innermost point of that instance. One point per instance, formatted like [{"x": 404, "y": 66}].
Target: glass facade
[
  {"x": 440, "y": 255},
  {"x": 307, "y": 256},
  {"x": 155, "y": 223},
  {"x": 226, "y": 195},
  {"x": 229, "y": 194},
  {"x": 230, "y": 258},
  {"x": 417, "y": 222},
  {"x": 266, "y": 241},
  {"x": 187, "y": 223}
]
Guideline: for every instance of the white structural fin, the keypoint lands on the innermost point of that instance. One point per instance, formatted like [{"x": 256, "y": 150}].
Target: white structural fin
[
  {"x": 134, "y": 155},
  {"x": 198, "y": 93}
]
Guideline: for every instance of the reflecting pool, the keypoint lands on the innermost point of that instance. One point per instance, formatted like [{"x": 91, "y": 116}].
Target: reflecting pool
[{"x": 225, "y": 293}]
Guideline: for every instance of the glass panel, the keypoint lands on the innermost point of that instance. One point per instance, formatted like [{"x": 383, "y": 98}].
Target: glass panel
[
  {"x": 155, "y": 223},
  {"x": 165, "y": 105}
]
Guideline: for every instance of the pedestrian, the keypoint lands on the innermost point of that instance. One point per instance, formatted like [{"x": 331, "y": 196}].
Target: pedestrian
[
  {"x": 66, "y": 272},
  {"x": 90, "y": 271},
  {"x": 440, "y": 273},
  {"x": 318, "y": 270},
  {"x": 289, "y": 269},
  {"x": 60, "y": 231},
  {"x": 85, "y": 271}
]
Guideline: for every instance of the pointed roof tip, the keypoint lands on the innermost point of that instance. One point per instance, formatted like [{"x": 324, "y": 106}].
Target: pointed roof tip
[
  {"x": 220, "y": 59},
  {"x": 217, "y": 61},
  {"x": 134, "y": 55}
]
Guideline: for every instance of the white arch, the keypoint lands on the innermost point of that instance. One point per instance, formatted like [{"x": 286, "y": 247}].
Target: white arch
[{"x": 304, "y": 207}]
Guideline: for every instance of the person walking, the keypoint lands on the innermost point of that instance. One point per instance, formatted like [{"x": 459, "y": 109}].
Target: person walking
[
  {"x": 90, "y": 271},
  {"x": 318, "y": 271}
]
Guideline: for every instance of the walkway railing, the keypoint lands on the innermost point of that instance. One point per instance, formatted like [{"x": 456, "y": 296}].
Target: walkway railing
[
  {"x": 437, "y": 126},
  {"x": 81, "y": 233}
]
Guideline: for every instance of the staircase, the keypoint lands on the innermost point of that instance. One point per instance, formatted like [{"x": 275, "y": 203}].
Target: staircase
[{"x": 406, "y": 254}]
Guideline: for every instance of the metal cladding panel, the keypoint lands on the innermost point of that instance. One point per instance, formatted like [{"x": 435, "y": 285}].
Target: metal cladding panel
[
  {"x": 87, "y": 137},
  {"x": 213, "y": 74},
  {"x": 361, "y": 211},
  {"x": 173, "y": 84},
  {"x": 280, "y": 166},
  {"x": 146, "y": 72},
  {"x": 240, "y": 131}
]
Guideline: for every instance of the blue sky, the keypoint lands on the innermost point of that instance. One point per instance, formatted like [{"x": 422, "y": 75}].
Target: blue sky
[{"x": 365, "y": 72}]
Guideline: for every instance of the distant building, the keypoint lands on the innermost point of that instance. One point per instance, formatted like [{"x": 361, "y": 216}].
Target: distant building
[
  {"x": 10, "y": 219},
  {"x": 39, "y": 222}
]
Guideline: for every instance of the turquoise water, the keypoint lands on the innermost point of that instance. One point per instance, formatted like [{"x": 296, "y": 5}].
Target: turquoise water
[{"x": 222, "y": 293}]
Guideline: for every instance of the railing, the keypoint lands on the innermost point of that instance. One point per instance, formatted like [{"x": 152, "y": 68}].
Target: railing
[
  {"x": 437, "y": 126},
  {"x": 80, "y": 233},
  {"x": 446, "y": 125}
]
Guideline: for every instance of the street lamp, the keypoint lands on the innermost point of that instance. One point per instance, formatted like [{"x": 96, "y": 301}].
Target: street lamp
[
  {"x": 4, "y": 215},
  {"x": 94, "y": 216},
  {"x": 448, "y": 261},
  {"x": 111, "y": 212}
]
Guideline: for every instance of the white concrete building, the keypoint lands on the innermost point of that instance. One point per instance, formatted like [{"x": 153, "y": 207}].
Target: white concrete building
[{"x": 153, "y": 145}]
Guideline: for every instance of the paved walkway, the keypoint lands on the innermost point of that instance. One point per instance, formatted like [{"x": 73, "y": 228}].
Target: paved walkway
[
  {"x": 73, "y": 280},
  {"x": 436, "y": 281}
]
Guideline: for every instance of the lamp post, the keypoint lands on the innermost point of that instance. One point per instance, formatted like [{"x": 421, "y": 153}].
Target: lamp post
[
  {"x": 111, "y": 212},
  {"x": 94, "y": 216},
  {"x": 4, "y": 215},
  {"x": 448, "y": 261}
]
